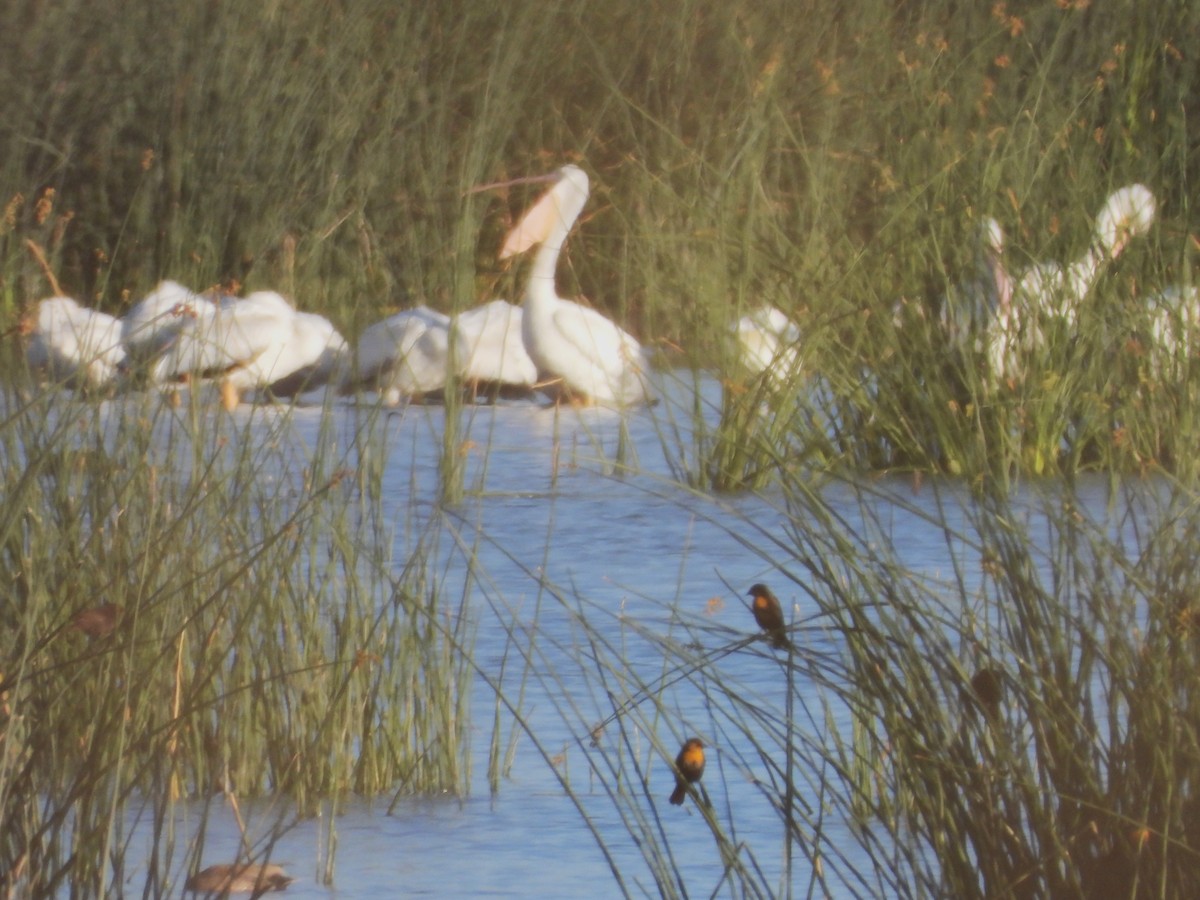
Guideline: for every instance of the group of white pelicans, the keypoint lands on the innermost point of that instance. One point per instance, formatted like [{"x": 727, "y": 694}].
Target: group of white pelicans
[
  {"x": 261, "y": 346},
  {"x": 1008, "y": 318}
]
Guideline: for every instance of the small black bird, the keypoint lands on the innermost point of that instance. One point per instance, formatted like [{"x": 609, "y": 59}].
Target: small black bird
[
  {"x": 689, "y": 766},
  {"x": 769, "y": 616}
]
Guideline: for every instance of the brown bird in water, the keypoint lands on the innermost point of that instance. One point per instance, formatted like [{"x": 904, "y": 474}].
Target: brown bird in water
[
  {"x": 769, "y": 616},
  {"x": 238, "y": 879},
  {"x": 689, "y": 766},
  {"x": 98, "y": 621}
]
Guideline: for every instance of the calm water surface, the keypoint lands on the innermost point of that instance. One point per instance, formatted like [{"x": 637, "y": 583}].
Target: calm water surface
[{"x": 544, "y": 510}]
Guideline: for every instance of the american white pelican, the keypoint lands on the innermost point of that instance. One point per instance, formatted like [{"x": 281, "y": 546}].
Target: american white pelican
[
  {"x": 969, "y": 308},
  {"x": 1057, "y": 290},
  {"x": 1013, "y": 335},
  {"x": 1049, "y": 295},
  {"x": 590, "y": 358},
  {"x": 404, "y": 356},
  {"x": 318, "y": 352},
  {"x": 259, "y": 343},
  {"x": 768, "y": 339},
  {"x": 488, "y": 352},
  {"x": 151, "y": 325},
  {"x": 78, "y": 346},
  {"x": 1174, "y": 332}
]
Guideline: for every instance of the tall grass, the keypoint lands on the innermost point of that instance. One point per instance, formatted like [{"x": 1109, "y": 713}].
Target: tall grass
[
  {"x": 1016, "y": 723},
  {"x": 269, "y": 642},
  {"x": 1071, "y": 784},
  {"x": 828, "y": 159}
]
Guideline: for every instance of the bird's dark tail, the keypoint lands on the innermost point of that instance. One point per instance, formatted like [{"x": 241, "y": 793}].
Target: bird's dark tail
[{"x": 779, "y": 641}]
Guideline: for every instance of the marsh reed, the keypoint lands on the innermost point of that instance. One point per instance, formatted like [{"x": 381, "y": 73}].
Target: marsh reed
[
  {"x": 828, "y": 159},
  {"x": 1017, "y": 722},
  {"x": 269, "y": 643},
  {"x": 832, "y": 169}
]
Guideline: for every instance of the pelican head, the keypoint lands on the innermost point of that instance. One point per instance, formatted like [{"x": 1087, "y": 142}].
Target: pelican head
[
  {"x": 558, "y": 208},
  {"x": 1127, "y": 213},
  {"x": 991, "y": 235},
  {"x": 1000, "y": 285}
]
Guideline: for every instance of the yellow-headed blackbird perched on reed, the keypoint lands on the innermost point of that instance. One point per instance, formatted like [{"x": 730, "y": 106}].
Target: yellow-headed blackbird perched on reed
[
  {"x": 689, "y": 766},
  {"x": 769, "y": 616}
]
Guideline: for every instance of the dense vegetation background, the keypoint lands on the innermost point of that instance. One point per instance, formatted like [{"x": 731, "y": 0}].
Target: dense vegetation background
[
  {"x": 830, "y": 158},
  {"x": 801, "y": 153}
]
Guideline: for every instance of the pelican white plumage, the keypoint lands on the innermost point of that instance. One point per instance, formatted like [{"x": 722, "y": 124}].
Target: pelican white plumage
[
  {"x": 1013, "y": 335},
  {"x": 1127, "y": 213},
  {"x": 78, "y": 346},
  {"x": 1174, "y": 332},
  {"x": 1056, "y": 290},
  {"x": 259, "y": 343},
  {"x": 317, "y": 355},
  {"x": 590, "y": 358},
  {"x": 969, "y": 308},
  {"x": 488, "y": 351},
  {"x": 1049, "y": 295},
  {"x": 152, "y": 324},
  {"x": 404, "y": 356},
  {"x": 768, "y": 339}
]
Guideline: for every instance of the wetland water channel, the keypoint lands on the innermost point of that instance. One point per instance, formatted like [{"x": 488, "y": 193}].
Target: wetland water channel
[{"x": 547, "y": 538}]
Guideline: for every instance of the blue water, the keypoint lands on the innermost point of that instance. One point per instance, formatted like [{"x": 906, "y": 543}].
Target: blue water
[{"x": 649, "y": 563}]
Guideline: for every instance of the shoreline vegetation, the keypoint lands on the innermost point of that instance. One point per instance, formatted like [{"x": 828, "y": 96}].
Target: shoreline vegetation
[{"x": 198, "y": 610}]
